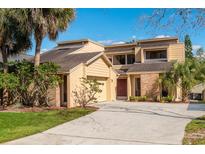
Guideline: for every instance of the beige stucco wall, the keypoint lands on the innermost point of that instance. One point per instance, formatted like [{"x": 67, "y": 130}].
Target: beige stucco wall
[
  {"x": 89, "y": 47},
  {"x": 176, "y": 52},
  {"x": 54, "y": 96},
  {"x": 73, "y": 82},
  {"x": 112, "y": 89}
]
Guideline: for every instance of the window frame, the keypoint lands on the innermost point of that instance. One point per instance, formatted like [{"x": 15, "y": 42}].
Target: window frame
[
  {"x": 127, "y": 58},
  {"x": 158, "y": 52},
  {"x": 114, "y": 58}
]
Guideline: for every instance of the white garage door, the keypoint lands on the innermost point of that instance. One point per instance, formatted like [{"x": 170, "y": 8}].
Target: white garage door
[{"x": 103, "y": 95}]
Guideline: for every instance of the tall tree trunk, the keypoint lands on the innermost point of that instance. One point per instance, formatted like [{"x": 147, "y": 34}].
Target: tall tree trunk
[
  {"x": 5, "y": 61},
  {"x": 38, "y": 52},
  {"x": 36, "y": 64},
  {"x": 5, "y": 69},
  {"x": 185, "y": 96}
]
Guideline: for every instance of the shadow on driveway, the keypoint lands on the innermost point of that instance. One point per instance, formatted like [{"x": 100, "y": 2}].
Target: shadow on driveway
[
  {"x": 196, "y": 107},
  {"x": 166, "y": 113}
]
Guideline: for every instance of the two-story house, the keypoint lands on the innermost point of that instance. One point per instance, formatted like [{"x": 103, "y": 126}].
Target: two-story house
[
  {"x": 124, "y": 69},
  {"x": 139, "y": 65}
]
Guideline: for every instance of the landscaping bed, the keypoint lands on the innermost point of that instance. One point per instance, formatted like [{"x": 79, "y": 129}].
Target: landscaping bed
[
  {"x": 14, "y": 125},
  {"x": 195, "y": 132}
]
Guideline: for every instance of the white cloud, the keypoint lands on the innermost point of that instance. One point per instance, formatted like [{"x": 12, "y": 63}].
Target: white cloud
[
  {"x": 162, "y": 36},
  {"x": 133, "y": 37},
  {"x": 196, "y": 47},
  {"x": 120, "y": 42},
  {"x": 106, "y": 42},
  {"x": 43, "y": 50},
  {"x": 110, "y": 42}
]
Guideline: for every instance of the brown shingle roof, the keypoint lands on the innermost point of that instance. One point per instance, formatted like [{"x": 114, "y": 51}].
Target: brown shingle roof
[
  {"x": 150, "y": 67},
  {"x": 66, "y": 59},
  {"x": 56, "y": 54},
  {"x": 121, "y": 71}
]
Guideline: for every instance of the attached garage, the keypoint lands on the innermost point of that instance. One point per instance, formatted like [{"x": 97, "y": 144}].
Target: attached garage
[
  {"x": 80, "y": 59},
  {"x": 103, "y": 95},
  {"x": 91, "y": 66},
  {"x": 99, "y": 70}
]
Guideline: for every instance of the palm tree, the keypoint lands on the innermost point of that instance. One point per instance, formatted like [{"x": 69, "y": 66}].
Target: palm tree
[
  {"x": 14, "y": 34},
  {"x": 14, "y": 37},
  {"x": 48, "y": 22},
  {"x": 186, "y": 75}
]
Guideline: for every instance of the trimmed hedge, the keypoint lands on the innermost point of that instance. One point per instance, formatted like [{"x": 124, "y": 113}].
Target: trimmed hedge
[{"x": 138, "y": 98}]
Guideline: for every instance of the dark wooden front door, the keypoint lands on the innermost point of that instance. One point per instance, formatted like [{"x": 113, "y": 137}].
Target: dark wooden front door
[{"x": 121, "y": 87}]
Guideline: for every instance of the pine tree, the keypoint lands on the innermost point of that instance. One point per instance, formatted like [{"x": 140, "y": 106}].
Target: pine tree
[
  {"x": 188, "y": 47},
  {"x": 200, "y": 53}
]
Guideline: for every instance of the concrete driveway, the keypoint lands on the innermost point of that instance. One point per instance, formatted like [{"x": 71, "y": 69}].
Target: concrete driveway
[{"x": 123, "y": 123}]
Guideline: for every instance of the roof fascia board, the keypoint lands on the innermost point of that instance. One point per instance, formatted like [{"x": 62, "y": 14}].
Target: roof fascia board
[
  {"x": 121, "y": 45},
  {"x": 97, "y": 56},
  {"x": 75, "y": 68},
  {"x": 119, "y": 52},
  {"x": 79, "y": 41},
  {"x": 158, "y": 39},
  {"x": 146, "y": 72}
]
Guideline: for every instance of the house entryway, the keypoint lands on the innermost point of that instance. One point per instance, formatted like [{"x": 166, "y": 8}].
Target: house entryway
[
  {"x": 121, "y": 88},
  {"x": 64, "y": 91}
]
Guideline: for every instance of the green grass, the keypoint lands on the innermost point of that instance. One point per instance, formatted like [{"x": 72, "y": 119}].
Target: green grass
[
  {"x": 17, "y": 125},
  {"x": 195, "y": 132},
  {"x": 198, "y": 102}
]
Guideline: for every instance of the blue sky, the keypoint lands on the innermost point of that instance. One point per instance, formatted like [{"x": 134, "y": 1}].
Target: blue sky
[{"x": 113, "y": 26}]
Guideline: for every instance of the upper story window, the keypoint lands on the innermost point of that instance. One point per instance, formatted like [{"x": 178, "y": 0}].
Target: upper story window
[
  {"x": 162, "y": 54},
  {"x": 130, "y": 58},
  {"x": 110, "y": 58},
  {"x": 119, "y": 60}
]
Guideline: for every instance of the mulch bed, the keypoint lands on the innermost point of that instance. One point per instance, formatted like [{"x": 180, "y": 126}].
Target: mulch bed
[
  {"x": 39, "y": 109},
  {"x": 31, "y": 109},
  {"x": 194, "y": 137}
]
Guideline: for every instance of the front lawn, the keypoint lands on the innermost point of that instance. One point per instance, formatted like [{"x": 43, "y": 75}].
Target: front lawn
[
  {"x": 17, "y": 125},
  {"x": 195, "y": 132}
]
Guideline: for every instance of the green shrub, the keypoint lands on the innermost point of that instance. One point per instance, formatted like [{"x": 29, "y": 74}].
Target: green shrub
[
  {"x": 27, "y": 84},
  {"x": 132, "y": 98},
  {"x": 142, "y": 98},
  {"x": 167, "y": 99},
  {"x": 138, "y": 98},
  {"x": 87, "y": 92},
  {"x": 8, "y": 81}
]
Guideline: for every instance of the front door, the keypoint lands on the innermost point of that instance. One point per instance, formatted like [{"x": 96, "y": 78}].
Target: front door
[
  {"x": 121, "y": 87},
  {"x": 63, "y": 91}
]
